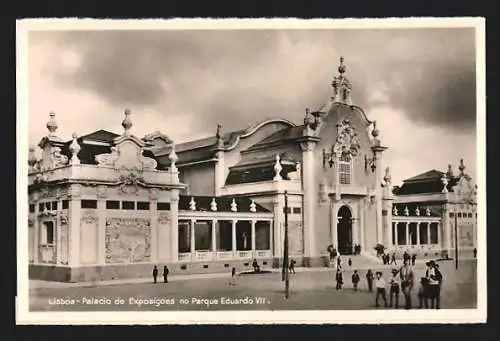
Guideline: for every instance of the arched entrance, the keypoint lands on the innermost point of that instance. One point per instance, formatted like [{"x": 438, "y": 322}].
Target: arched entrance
[{"x": 344, "y": 231}]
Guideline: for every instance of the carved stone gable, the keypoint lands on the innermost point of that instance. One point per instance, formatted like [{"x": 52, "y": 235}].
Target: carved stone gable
[
  {"x": 464, "y": 190},
  {"x": 127, "y": 153},
  {"x": 347, "y": 141}
]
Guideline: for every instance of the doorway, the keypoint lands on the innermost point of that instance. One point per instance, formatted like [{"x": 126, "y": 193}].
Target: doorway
[{"x": 344, "y": 231}]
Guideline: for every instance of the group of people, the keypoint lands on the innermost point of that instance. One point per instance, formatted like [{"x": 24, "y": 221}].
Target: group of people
[
  {"x": 401, "y": 281},
  {"x": 391, "y": 259},
  {"x": 165, "y": 274}
]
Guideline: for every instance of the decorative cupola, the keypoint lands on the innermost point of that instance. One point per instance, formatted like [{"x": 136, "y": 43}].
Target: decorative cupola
[
  {"x": 127, "y": 122},
  {"x": 342, "y": 86},
  {"x": 75, "y": 148},
  {"x": 277, "y": 169},
  {"x": 32, "y": 160},
  {"x": 52, "y": 124}
]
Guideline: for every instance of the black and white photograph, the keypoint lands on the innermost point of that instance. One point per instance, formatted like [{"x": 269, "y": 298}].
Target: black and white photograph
[{"x": 251, "y": 171}]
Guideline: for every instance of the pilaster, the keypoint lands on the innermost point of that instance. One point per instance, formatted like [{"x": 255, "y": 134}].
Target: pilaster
[
  {"x": 74, "y": 225},
  {"x": 253, "y": 235},
  {"x": 58, "y": 231},
  {"x": 174, "y": 225},
  {"x": 214, "y": 236},
  {"x": 220, "y": 171},
  {"x": 101, "y": 228},
  {"x": 192, "y": 236},
  {"x": 153, "y": 214},
  {"x": 334, "y": 209},
  {"x": 310, "y": 200},
  {"x": 233, "y": 235},
  {"x": 277, "y": 227}
]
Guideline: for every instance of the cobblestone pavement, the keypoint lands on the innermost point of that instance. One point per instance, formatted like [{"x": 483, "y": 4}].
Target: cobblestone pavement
[{"x": 308, "y": 290}]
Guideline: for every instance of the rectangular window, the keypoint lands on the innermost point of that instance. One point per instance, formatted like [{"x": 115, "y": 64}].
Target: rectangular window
[
  {"x": 287, "y": 210},
  {"x": 469, "y": 215},
  {"x": 143, "y": 205},
  {"x": 297, "y": 210},
  {"x": 48, "y": 206},
  {"x": 32, "y": 208},
  {"x": 459, "y": 215},
  {"x": 65, "y": 204},
  {"x": 128, "y": 205},
  {"x": 41, "y": 206},
  {"x": 54, "y": 205},
  {"x": 434, "y": 233},
  {"x": 112, "y": 205},
  {"x": 345, "y": 170},
  {"x": 163, "y": 206},
  {"x": 451, "y": 215},
  {"x": 47, "y": 235},
  {"x": 88, "y": 204}
]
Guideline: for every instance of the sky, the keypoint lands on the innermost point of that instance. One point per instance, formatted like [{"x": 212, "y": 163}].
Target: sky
[{"x": 418, "y": 84}]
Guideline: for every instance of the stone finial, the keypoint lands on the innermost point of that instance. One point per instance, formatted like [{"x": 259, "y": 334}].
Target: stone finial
[
  {"x": 342, "y": 86},
  {"x": 253, "y": 207},
  {"x": 461, "y": 167},
  {"x": 74, "y": 148},
  {"x": 192, "y": 204},
  {"x": 417, "y": 211},
  {"x": 213, "y": 205},
  {"x": 387, "y": 176},
  {"x": 173, "y": 158},
  {"x": 375, "y": 131},
  {"x": 427, "y": 211},
  {"x": 32, "y": 158},
  {"x": 127, "y": 122},
  {"x": 394, "y": 210},
  {"x": 449, "y": 172},
  {"x": 219, "y": 136},
  {"x": 52, "y": 124},
  {"x": 234, "y": 207},
  {"x": 277, "y": 169},
  {"x": 444, "y": 181},
  {"x": 406, "y": 211}
]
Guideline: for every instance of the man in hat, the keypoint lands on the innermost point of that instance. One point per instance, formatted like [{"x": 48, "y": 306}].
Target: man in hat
[
  {"x": 394, "y": 289},
  {"x": 407, "y": 278}
]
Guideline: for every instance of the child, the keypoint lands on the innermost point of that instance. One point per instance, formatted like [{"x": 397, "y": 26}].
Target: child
[
  {"x": 394, "y": 289},
  {"x": 369, "y": 280},
  {"x": 422, "y": 293},
  {"x": 380, "y": 285},
  {"x": 355, "y": 280},
  {"x": 339, "y": 279},
  {"x": 233, "y": 276}
]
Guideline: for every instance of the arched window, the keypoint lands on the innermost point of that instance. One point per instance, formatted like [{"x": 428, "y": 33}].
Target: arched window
[{"x": 345, "y": 169}]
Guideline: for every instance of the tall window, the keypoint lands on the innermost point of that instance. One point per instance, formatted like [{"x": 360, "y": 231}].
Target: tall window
[{"x": 345, "y": 169}]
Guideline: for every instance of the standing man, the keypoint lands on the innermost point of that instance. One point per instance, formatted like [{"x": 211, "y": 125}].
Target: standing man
[
  {"x": 394, "y": 289},
  {"x": 393, "y": 259},
  {"x": 407, "y": 278},
  {"x": 369, "y": 280},
  {"x": 165, "y": 274},
  {"x": 339, "y": 262},
  {"x": 413, "y": 259},
  {"x": 434, "y": 278},
  {"x": 155, "y": 274},
  {"x": 380, "y": 286},
  {"x": 339, "y": 279}
]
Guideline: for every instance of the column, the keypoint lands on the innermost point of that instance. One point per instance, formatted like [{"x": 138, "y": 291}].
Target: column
[
  {"x": 395, "y": 234},
  {"x": 362, "y": 225},
  {"x": 445, "y": 218},
  {"x": 74, "y": 226},
  {"x": 418, "y": 233},
  {"x": 57, "y": 230},
  {"x": 214, "y": 236},
  {"x": 253, "y": 236},
  {"x": 174, "y": 221},
  {"x": 155, "y": 236},
  {"x": 277, "y": 226},
  {"x": 380, "y": 230},
  {"x": 333, "y": 223},
  {"x": 36, "y": 235},
  {"x": 407, "y": 233},
  {"x": 101, "y": 231},
  {"x": 191, "y": 235},
  {"x": 270, "y": 230},
  {"x": 310, "y": 198},
  {"x": 233, "y": 236},
  {"x": 428, "y": 233}
]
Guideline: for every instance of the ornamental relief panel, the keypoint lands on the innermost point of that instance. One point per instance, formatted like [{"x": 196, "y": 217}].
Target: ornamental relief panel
[
  {"x": 128, "y": 240},
  {"x": 64, "y": 240},
  {"x": 295, "y": 238},
  {"x": 89, "y": 217},
  {"x": 164, "y": 218}
]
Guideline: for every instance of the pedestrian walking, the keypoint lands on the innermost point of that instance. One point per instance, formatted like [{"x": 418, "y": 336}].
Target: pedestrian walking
[
  {"x": 155, "y": 274},
  {"x": 291, "y": 268},
  {"x": 339, "y": 262},
  {"x": 394, "y": 289},
  {"x": 165, "y": 274},
  {"x": 339, "y": 279},
  {"x": 369, "y": 280},
  {"x": 349, "y": 262},
  {"x": 393, "y": 259},
  {"x": 413, "y": 259},
  {"x": 407, "y": 277},
  {"x": 474, "y": 252},
  {"x": 233, "y": 276},
  {"x": 380, "y": 286},
  {"x": 355, "y": 280}
]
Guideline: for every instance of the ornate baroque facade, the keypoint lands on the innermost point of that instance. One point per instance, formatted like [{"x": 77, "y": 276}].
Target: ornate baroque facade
[{"x": 103, "y": 205}]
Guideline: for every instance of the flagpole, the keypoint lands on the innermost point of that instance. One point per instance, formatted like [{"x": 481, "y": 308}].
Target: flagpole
[
  {"x": 285, "y": 251},
  {"x": 456, "y": 240}
]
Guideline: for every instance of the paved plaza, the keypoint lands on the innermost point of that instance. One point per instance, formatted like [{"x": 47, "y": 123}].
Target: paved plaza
[{"x": 310, "y": 289}]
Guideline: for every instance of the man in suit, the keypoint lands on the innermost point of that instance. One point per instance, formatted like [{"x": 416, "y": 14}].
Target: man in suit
[{"x": 407, "y": 281}]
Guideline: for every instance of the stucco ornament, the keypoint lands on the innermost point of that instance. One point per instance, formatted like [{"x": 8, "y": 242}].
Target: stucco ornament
[
  {"x": 130, "y": 182},
  {"x": 164, "y": 218},
  {"x": 108, "y": 159},
  {"x": 128, "y": 240},
  {"x": 147, "y": 162},
  {"x": 347, "y": 141},
  {"x": 63, "y": 218}
]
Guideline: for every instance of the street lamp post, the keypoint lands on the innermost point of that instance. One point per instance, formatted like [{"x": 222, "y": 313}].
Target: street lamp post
[{"x": 456, "y": 236}]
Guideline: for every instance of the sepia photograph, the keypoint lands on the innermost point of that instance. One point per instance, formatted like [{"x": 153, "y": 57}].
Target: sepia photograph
[{"x": 251, "y": 171}]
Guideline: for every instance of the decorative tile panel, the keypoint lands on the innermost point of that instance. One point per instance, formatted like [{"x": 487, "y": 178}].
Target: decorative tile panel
[{"x": 128, "y": 240}]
